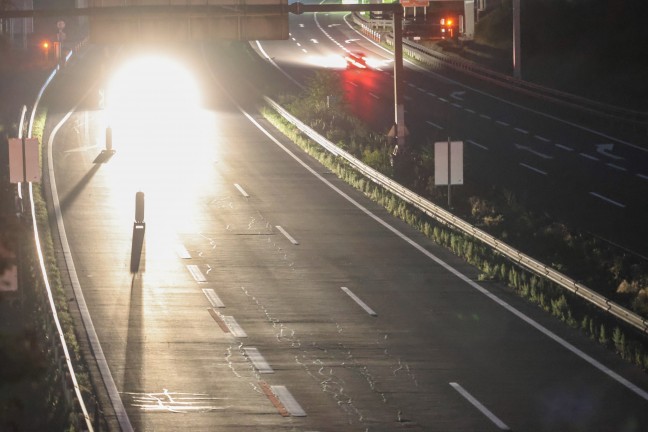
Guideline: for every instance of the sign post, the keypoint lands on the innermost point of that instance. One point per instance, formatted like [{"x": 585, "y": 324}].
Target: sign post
[{"x": 448, "y": 164}]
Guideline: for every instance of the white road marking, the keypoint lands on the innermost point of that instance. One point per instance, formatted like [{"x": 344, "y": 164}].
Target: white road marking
[
  {"x": 541, "y": 138},
  {"x": 530, "y": 150},
  {"x": 213, "y": 298},
  {"x": 196, "y": 273},
  {"x": 431, "y": 94},
  {"x": 606, "y": 199},
  {"x": 476, "y": 144},
  {"x": 533, "y": 169},
  {"x": 585, "y": 155},
  {"x": 234, "y": 327},
  {"x": 375, "y": 96},
  {"x": 442, "y": 99},
  {"x": 352, "y": 83},
  {"x": 502, "y": 123},
  {"x": 411, "y": 85},
  {"x": 471, "y": 111},
  {"x": 357, "y": 299},
  {"x": 288, "y": 401},
  {"x": 564, "y": 147},
  {"x": 642, "y": 176},
  {"x": 258, "y": 361},
  {"x": 616, "y": 167},
  {"x": 240, "y": 189},
  {"x": 288, "y": 236},
  {"x": 298, "y": 44},
  {"x": 434, "y": 124},
  {"x": 522, "y": 131},
  {"x": 456, "y": 105},
  {"x": 468, "y": 281},
  {"x": 470, "y": 398},
  {"x": 305, "y": 50},
  {"x": 182, "y": 252},
  {"x": 484, "y": 116}
]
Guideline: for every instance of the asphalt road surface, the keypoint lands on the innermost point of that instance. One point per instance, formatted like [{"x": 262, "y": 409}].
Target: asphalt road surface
[{"x": 271, "y": 296}]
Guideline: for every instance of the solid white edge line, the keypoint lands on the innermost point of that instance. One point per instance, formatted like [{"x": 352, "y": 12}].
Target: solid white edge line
[
  {"x": 357, "y": 299},
  {"x": 241, "y": 190},
  {"x": 258, "y": 360},
  {"x": 587, "y": 358},
  {"x": 288, "y": 401},
  {"x": 470, "y": 398},
  {"x": 288, "y": 236},
  {"x": 102, "y": 363}
]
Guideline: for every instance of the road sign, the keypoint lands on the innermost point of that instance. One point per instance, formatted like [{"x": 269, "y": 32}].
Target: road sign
[
  {"x": 170, "y": 21},
  {"x": 415, "y": 3},
  {"x": 441, "y": 165},
  {"x": 23, "y": 160}
]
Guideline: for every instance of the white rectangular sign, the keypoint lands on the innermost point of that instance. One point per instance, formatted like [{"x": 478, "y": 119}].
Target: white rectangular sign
[
  {"x": 25, "y": 169},
  {"x": 441, "y": 165}
]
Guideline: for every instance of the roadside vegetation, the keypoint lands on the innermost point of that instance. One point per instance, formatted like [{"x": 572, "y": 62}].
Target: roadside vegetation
[{"x": 620, "y": 276}]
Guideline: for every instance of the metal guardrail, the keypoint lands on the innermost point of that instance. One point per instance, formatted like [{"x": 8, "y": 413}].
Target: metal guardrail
[
  {"x": 436, "y": 58},
  {"x": 449, "y": 219}
]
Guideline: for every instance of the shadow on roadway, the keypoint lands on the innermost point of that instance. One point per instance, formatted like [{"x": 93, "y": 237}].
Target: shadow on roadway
[{"x": 74, "y": 193}]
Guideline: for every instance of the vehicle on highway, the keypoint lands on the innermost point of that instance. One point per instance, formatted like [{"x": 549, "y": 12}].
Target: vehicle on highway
[{"x": 356, "y": 60}]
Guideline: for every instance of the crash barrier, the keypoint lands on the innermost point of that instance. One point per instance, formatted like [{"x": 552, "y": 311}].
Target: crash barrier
[
  {"x": 73, "y": 399},
  {"x": 435, "y": 59},
  {"x": 447, "y": 218}
]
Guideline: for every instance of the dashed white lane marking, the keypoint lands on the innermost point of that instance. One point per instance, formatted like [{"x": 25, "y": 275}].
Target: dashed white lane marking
[
  {"x": 196, "y": 273},
  {"x": 258, "y": 361},
  {"x": 541, "y": 138},
  {"x": 373, "y": 95},
  {"x": 642, "y": 176},
  {"x": 522, "y": 131},
  {"x": 288, "y": 236},
  {"x": 305, "y": 50},
  {"x": 411, "y": 85},
  {"x": 606, "y": 199},
  {"x": 476, "y": 144},
  {"x": 502, "y": 123},
  {"x": 471, "y": 111},
  {"x": 288, "y": 401},
  {"x": 564, "y": 147},
  {"x": 240, "y": 189},
  {"x": 484, "y": 116},
  {"x": 407, "y": 98},
  {"x": 234, "y": 327},
  {"x": 539, "y": 171},
  {"x": 213, "y": 298},
  {"x": 456, "y": 105},
  {"x": 298, "y": 44},
  {"x": 470, "y": 398},
  {"x": 357, "y": 299},
  {"x": 434, "y": 124},
  {"x": 616, "y": 167},
  {"x": 182, "y": 252},
  {"x": 431, "y": 94},
  {"x": 352, "y": 83},
  {"x": 585, "y": 155},
  {"x": 442, "y": 99}
]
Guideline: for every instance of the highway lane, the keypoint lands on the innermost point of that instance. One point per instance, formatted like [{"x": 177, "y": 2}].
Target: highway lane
[
  {"x": 267, "y": 234},
  {"x": 577, "y": 173}
]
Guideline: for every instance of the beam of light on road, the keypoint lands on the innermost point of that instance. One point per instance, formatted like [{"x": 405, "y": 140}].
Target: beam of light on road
[{"x": 164, "y": 139}]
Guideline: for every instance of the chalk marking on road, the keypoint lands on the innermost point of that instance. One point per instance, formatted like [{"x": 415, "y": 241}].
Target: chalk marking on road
[
  {"x": 182, "y": 252},
  {"x": 585, "y": 155},
  {"x": 470, "y": 398},
  {"x": 616, "y": 167},
  {"x": 357, "y": 299},
  {"x": 288, "y": 236},
  {"x": 502, "y": 123},
  {"x": 234, "y": 327},
  {"x": 484, "y": 116},
  {"x": 288, "y": 401},
  {"x": 541, "y": 138},
  {"x": 240, "y": 189},
  {"x": 258, "y": 360},
  {"x": 434, "y": 124},
  {"x": 213, "y": 298},
  {"x": 606, "y": 199},
  {"x": 196, "y": 273},
  {"x": 476, "y": 144},
  {"x": 373, "y": 95},
  {"x": 562, "y": 342},
  {"x": 564, "y": 147},
  {"x": 539, "y": 171},
  {"x": 642, "y": 176},
  {"x": 471, "y": 111}
]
